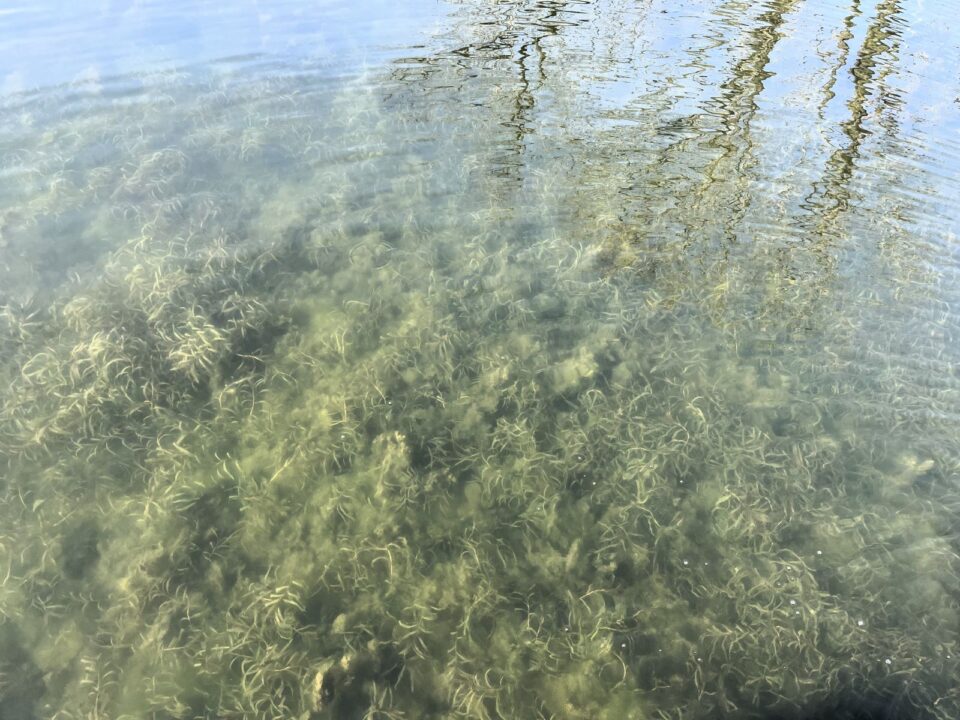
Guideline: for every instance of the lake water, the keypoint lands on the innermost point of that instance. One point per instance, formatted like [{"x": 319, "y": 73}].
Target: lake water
[{"x": 464, "y": 359}]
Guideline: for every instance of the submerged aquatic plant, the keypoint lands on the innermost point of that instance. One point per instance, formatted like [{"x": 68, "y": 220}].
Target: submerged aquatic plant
[{"x": 332, "y": 440}]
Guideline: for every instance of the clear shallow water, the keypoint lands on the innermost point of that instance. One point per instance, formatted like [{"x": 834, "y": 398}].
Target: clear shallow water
[{"x": 556, "y": 359}]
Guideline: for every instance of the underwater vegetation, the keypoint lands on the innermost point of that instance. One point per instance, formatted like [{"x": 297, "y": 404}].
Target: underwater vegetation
[{"x": 313, "y": 425}]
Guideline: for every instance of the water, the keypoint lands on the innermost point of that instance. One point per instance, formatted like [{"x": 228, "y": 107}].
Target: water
[{"x": 456, "y": 359}]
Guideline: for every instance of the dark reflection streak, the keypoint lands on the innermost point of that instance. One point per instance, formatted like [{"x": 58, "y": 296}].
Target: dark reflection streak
[
  {"x": 738, "y": 102},
  {"x": 891, "y": 101},
  {"x": 524, "y": 100},
  {"x": 722, "y": 194},
  {"x": 413, "y": 72},
  {"x": 831, "y": 195},
  {"x": 508, "y": 36},
  {"x": 737, "y": 106},
  {"x": 843, "y": 42},
  {"x": 525, "y": 95},
  {"x": 521, "y": 28}
]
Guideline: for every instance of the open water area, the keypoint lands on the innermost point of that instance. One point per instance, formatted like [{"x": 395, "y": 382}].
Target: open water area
[{"x": 520, "y": 359}]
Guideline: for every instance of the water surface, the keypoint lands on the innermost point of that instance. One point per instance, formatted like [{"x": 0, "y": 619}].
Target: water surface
[{"x": 462, "y": 359}]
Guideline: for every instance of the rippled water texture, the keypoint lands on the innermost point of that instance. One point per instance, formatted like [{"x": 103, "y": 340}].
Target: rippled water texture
[{"x": 480, "y": 360}]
